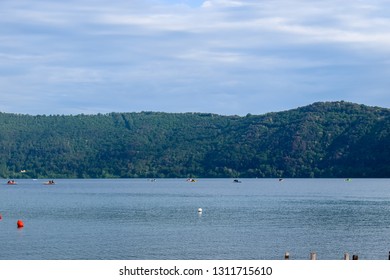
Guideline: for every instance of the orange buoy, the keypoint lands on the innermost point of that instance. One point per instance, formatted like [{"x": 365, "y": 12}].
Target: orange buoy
[{"x": 20, "y": 223}]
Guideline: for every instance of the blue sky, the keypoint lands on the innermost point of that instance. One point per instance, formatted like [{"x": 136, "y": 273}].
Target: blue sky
[{"x": 229, "y": 57}]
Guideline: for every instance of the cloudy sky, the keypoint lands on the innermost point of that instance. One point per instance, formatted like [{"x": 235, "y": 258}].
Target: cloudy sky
[{"x": 229, "y": 57}]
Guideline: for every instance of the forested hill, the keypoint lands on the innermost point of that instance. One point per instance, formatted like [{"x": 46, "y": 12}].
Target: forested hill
[{"x": 331, "y": 139}]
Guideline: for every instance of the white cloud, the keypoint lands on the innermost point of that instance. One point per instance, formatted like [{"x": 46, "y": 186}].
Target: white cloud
[
  {"x": 221, "y": 3},
  {"x": 241, "y": 49}
]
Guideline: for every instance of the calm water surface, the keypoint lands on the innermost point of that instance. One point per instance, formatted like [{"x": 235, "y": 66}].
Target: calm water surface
[{"x": 139, "y": 219}]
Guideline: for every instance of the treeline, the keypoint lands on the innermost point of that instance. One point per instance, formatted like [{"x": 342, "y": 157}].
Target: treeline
[{"x": 328, "y": 139}]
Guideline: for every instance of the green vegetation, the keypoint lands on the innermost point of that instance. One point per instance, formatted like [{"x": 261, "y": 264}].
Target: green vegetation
[{"x": 330, "y": 139}]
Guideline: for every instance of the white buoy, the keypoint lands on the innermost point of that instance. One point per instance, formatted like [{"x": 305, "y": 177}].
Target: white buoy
[{"x": 200, "y": 210}]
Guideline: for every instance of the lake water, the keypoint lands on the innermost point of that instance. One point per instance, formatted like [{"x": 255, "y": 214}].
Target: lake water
[{"x": 139, "y": 219}]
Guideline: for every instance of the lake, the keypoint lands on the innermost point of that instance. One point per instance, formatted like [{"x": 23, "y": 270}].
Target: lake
[{"x": 144, "y": 220}]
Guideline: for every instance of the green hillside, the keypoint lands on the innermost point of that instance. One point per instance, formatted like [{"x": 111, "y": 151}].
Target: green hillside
[{"x": 330, "y": 139}]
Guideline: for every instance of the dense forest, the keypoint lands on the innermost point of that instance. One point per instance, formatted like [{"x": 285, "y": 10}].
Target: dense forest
[{"x": 325, "y": 139}]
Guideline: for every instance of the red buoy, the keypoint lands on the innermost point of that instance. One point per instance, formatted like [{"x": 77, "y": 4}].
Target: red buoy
[
  {"x": 1, "y": 217},
  {"x": 20, "y": 223}
]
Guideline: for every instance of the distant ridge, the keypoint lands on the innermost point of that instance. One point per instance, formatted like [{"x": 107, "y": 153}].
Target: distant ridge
[{"x": 324, "y": 139}]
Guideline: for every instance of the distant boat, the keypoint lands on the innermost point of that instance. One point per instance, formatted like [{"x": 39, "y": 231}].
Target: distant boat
[
  {"x": 191, "y": 180},
  {"x": 51, "y": 182},
  {"x": 348, "y": 180},
  {"x": 236, "y": 181},
  {"x": 281, "y": 179},
  {"x": 11, "y": 182}
]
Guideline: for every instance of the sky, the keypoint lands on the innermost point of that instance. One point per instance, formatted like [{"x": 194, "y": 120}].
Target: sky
[{"x": 227, "y": 57}]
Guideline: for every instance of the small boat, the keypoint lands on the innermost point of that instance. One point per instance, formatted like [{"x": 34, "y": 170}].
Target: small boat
[
  {"x": 51, "y": 182},
  {"x": 191, "y": 180},
  {"x": 11, "y": 182},
  {"x": 236, "y": 181}
]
